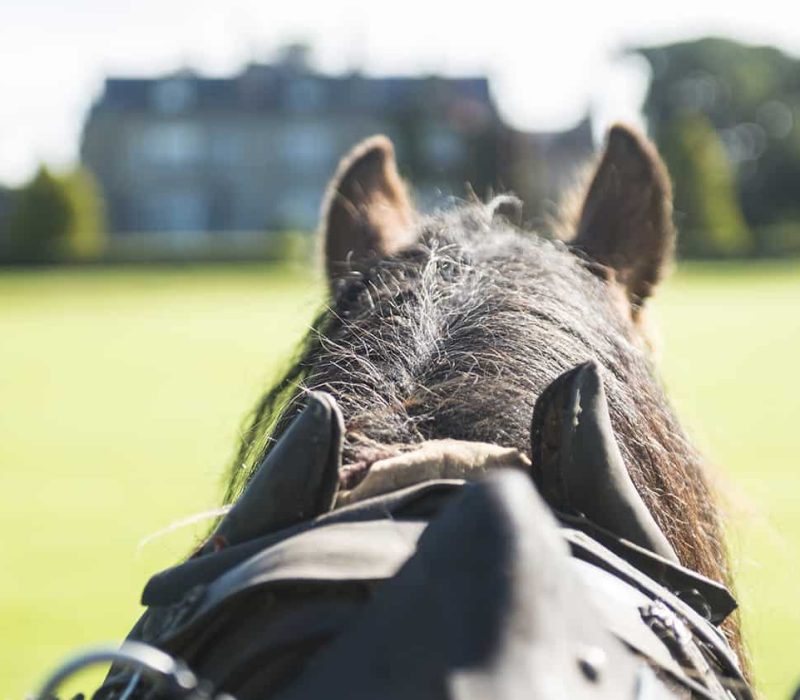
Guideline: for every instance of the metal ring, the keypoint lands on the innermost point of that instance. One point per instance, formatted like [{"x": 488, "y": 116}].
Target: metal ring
[{"x": 151, "y": 663}]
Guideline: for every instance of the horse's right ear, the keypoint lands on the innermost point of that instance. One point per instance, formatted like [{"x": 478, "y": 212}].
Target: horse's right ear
[
  {"x": 367, "y": 212},
  {"x": 626, "y": 218}
]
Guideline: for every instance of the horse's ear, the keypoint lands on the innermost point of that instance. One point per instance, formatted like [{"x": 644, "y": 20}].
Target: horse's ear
[
  {"x": 367, "y": 212},
  {"x": 626, "y": 219}
]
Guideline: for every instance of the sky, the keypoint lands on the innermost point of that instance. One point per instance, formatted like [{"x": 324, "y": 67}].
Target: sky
[{"x": 547, "y": 62}]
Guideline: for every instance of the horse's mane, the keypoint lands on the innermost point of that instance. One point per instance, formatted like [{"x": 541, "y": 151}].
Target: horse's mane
[
  {"x": 458, "y": 335},
  {"x": 451, "y": 326}
]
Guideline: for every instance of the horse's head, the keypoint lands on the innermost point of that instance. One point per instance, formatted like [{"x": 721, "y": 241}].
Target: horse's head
[{"x": 451, "y": 325}]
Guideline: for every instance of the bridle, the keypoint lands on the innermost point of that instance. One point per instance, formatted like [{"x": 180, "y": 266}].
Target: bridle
[{"x": 585, "y": 589}]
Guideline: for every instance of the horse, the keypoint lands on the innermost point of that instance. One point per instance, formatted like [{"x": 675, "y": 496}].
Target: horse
[
  {"x": 451, "y": 325},
  {"x": 454, "y": 344}
]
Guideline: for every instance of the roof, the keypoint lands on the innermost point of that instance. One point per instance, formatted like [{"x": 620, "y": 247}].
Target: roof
[{"x": 278, "y": 88}]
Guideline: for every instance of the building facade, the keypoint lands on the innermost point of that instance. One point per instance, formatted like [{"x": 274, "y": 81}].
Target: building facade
[{"x": 254, "y": 152}]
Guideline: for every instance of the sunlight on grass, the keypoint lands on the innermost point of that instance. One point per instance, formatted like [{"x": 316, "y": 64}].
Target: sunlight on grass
[
  {"x": 731, "y": 336},
  {"x": 123, "y": 394}
]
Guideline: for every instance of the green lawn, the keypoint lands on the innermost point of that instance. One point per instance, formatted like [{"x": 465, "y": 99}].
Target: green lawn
[{"x": 122, "y": 391}]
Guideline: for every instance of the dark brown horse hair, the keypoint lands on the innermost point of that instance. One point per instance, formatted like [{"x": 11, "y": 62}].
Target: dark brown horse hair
[{"x": 458, "y": 334}]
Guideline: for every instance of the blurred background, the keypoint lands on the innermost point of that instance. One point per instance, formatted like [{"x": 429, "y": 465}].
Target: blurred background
[{"x": 161, "y": 171}]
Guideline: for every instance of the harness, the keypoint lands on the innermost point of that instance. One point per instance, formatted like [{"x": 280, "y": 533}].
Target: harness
[{"x": 447, "y": 588}]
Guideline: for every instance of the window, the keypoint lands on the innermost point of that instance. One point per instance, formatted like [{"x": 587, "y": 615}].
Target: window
[
  {"x": 308, "y": 146},
  {"x": 172, "y": 143},
  {"x": 172, "y": 95}
]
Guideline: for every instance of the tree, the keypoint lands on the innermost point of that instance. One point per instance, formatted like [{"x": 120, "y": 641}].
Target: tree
[
  {"x": 751, "y": 97},
  {"x": 709, "y": 218},
  {"x": 54, "y": 218},
  {"x": 41, "y": 217}
]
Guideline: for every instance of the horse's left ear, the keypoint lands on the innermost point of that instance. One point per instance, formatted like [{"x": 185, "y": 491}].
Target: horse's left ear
[
  {"x": 626, "y": 219},
  {"x": 367, "y": 213}
]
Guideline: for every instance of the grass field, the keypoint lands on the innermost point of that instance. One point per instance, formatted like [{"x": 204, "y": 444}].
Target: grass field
[{"x": 122, "y": 391}]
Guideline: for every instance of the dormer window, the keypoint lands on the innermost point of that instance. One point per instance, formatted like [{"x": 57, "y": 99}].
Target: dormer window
[{"x": 172, "y": 95}]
